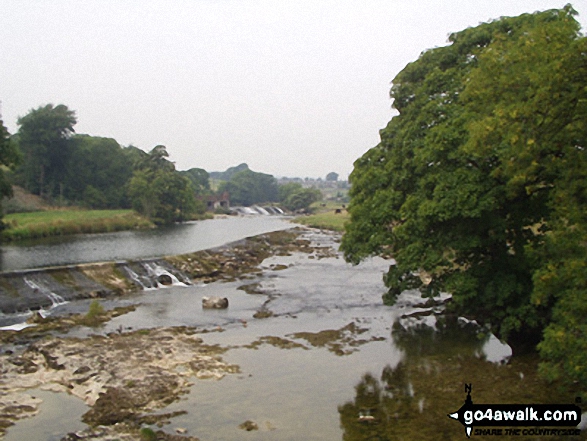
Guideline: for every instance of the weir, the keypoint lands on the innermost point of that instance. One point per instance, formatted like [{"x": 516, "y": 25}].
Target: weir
[{"x": 43, "y": 289}]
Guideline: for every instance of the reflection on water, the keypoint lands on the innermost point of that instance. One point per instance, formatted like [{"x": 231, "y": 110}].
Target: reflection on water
[
  {"x": 402, "y": 402},
  {"x": 125, "y": 245},
  {"x": 404, "y": 374},
  {"x": 412, "y": 399},
  {"x": 48, "y": 425}
]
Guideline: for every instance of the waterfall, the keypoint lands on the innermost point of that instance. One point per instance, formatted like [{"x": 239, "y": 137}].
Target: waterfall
[
  {"x": 261, "y": 210},
  {"x": 137, "y": 279},
  {"x": 56, "y": 299},
  {"x": 156, "y": 271}
]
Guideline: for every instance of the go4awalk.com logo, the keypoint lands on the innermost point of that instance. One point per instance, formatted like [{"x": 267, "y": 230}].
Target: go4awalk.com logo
[{"x": 513, "y": 416}]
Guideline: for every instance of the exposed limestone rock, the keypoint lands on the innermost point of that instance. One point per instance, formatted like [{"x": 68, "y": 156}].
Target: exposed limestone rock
[
  {"x": 122, "y": 376},
  {"x": 249, "y": 426},
  {"x": 214, "y": 302}
]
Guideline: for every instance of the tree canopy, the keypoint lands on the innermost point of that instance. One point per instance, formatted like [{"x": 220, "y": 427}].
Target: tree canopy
[
  {"x": 332, "y": 176},
  {"x": 478, "y": 186},
  {"x": 44, "y": 140},
  {"x": 97, "y": 172},
  {"x": 247, "y": 187},
  {"x": 158, "y": 191},
  {"x": 295, "y": 197},
  {"x": 9, "y": 157}
]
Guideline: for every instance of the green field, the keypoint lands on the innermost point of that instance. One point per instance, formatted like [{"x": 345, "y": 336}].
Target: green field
[
  {"x": 62, "y": 222},
  {"x": 325, "y": 217}
]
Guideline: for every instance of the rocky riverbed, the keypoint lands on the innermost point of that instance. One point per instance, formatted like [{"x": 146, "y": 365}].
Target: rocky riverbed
[
  {"x": 125, "y": 377},
  {"x": 305, "y": 350}
]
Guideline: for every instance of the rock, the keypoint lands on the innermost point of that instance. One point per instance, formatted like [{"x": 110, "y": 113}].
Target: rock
[
  {"x": 249, "y": 426},
  {"x": 36, "y": 318},
  {"x": 165, "y": 279},
  {"x": 214, "y": 302}
]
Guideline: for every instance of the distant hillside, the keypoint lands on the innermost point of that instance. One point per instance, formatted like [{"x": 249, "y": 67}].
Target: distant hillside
[{"x": 226, "y": 175}]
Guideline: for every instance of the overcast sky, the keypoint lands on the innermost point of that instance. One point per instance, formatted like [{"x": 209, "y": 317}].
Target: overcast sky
[{"x": 293, "y": 88}]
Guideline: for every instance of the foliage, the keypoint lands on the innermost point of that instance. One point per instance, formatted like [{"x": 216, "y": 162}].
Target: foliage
[
  {"x": 94, "y": 315},
  {"x": 44, "y": 138},
  {"x": 227, "y": 175},
  {"x": 9, "y": 157},
  {"x": 199, "y": 178},
  {"x": 159, "y": 192},
  {"x": 147, "y": 434},
  {"x": 332, "y": 176},
  {"x": 97, "y": 173},
  {"x": 479, "y": 184},
  {"x": 294, "y": 196},
  {"x": 247, "y": 187}
]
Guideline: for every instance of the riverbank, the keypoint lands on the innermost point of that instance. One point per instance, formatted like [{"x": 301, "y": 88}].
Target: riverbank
[
  {"x": 328, "y": 220},
  {"x": 64, "y": 222},
  {"x": 37, "y": 224}
]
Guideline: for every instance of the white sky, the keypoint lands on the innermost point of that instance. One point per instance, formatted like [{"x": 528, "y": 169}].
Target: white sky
[{"x": 293, "y": 88}]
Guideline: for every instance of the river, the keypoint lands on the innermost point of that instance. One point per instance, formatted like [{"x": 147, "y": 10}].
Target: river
[
  {"x": 125, "y": 245},
  {"x": 331, "y": 362}
]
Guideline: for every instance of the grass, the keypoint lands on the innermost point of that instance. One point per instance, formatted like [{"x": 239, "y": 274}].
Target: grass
[
  {"x": 95, "y": 315},
  {"x": 63, "y": 222},
  {"x": 326, "y": 217}
]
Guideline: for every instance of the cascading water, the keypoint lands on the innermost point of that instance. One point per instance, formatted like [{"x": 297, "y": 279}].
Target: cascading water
[
  {"x": 139, "y": 279},
  {"x": 156, "y": 271},
  {"x": 261, "y": 210},
  {"x": 56, "y": 299}
]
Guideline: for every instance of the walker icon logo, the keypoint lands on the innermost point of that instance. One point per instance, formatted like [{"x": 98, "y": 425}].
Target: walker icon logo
[{"x": 514, "y": 415}]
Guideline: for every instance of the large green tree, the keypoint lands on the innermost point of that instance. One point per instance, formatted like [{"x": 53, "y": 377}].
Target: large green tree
[
  {"x": 199, "y": 178},
  {"x": 9, "y": 157},
  {"x": 294, "y": 196},
  {"x": 44, "y": 138},
  {"x": 98, "y": 171},
  {"x": 480, "y": 174},
  {"x": 158, "y": 191},
  {"x": 247, "y": 187}
]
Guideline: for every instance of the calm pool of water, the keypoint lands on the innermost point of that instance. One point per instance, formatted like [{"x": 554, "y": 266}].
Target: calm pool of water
[{"x": 125, "y": 245}]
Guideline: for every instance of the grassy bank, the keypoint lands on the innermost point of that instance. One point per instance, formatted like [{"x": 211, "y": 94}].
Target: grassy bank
[
  {"x": 62, "y": 222},
  {"x": 326, "y": 218}
]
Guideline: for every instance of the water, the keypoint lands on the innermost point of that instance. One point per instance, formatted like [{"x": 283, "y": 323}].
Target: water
[
  {"x": 125, "y": 245},
  {"x": 48, "y": 424},
  {"x": 405, "y": 371}
]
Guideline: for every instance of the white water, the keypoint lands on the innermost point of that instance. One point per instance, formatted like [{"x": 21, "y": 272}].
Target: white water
[
  {"x": 56, "y": 299},
  {"x": 155, "y": 271}
]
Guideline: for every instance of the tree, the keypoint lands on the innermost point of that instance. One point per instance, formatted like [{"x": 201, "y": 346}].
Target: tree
[
  {"x": 199, "y": 178},
  {"x": 332, "y": 176},
  {"x": 295, "y": 197},
  {"x": 44, "y": 140},
  {"x": 158, "y": 191},
  {"x": 465, "y": 188},
  {"x": 247, "y": 187},
  {"x": 9, "y": 157},
  {"x": 227, "y": 175},
  {"x": 98, "y": 171}
]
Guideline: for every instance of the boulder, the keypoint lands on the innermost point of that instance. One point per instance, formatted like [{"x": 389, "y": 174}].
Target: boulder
[{"x": 214, "y": 302}]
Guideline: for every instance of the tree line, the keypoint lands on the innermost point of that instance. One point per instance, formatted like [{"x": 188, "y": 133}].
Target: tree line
[
  {"x": 479, "y": 186},
  {"x": 47, "y": 158}
]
